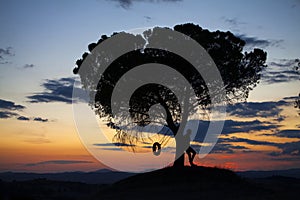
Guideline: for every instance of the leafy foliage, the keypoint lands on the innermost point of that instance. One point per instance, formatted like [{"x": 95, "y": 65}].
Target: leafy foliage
[{"x": 240, "y": 72}]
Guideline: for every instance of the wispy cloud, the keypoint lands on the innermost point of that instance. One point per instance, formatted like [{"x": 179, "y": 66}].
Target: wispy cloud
[
  {"x": 284, "y": 62},
  {"x": 9, "y": 105},
  {"x": 22, "y": 118},
  {"x": 59, "y": 162},
  {"x": 113, "y": 144},
  {"x": 290, "y": 148},
  {"x": 232, "y": 127},
  {"x": 257, "y": 109},
  {"x": 252, "y": 41},
  {"x": 236, "y": 25},
  {"x": 227, "y": 148},
  {"x": 286, "y": 148},
  {"x": 281, "y": 70},
  {"x": 7, "y": 114},
  {"x": 4, "y": 53},
  {"x": 126, "y": 4},
  {"x": 248, "y": 141},
  {"x": 56, "y": 90},
  {"x": 9, "y": 109},
  {"x": 287, "y": 133},
  {"x": 112, "y": 149},
  {"x": 39, "y": 119},
  {"x": 148, "y": 18},
  {"x": 26, "y": 66}
]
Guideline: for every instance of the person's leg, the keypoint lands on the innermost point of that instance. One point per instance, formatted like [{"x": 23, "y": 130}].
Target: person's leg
[
  {"x": 193, "y": 152},
  {"x": 190, "y": 155}
]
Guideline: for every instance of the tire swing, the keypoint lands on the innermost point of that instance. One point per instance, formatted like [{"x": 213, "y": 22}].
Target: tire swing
[{"x": 156, "y": 148}]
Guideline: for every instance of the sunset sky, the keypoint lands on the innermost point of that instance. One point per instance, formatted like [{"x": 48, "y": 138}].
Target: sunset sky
[{"x": 41, "y": 40}]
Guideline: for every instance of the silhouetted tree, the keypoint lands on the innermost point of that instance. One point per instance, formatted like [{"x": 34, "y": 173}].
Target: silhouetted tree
[{"x": 240, "y": 72}]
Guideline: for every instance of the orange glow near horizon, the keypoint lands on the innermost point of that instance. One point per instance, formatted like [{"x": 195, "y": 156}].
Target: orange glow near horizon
[{"x": 28, "y": 146}]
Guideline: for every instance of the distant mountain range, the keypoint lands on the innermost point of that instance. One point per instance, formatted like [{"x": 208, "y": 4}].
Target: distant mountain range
[
  {"x": 168, "y": 183},
  {"x": 102, "y": 176},
  {"x": 107, "y": 176},
  {"x": 294, "y": 173}
]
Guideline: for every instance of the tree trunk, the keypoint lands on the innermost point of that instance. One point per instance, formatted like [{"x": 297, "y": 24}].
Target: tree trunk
[{"x": 179, "y": 162}]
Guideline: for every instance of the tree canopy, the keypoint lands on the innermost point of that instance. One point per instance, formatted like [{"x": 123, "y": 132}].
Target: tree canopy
[{"x": 239, "y": 70}]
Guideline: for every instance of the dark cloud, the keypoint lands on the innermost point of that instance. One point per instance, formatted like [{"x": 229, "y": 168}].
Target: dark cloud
[
  {"x": 284, "y": 63},
  {"x": 248, "y": 141},
  {"x": 7, "y": 114},
  {"x": 232, "y": 126},
  {"x": 112, "y": 149},
  {"x": 9, "y": 105},
  {"x": 57, "y": 90},
  {"x": 23, "y": 118},
  {"x": 59, "y": 162},
  {"x": 290, "y": 148},
  {"x": 287, "y": 148},
  {"x": 126, "y": 4},
  {"x": 39, "y": 119},
  {"x": 288, "y": 133},
  {"x": 223, "y": 146},
  {"x": 257, "y": 109},
  {"x": 252, "y": 42},
  {"x": 280, "y": 77},
  {"x": 45, "y": 97},
  {"x": 227, "y": 148},
  {"x": 4, "y": 53},
  {"x": 104, "y": 144},
  {"x": 114, "y": 144},
  {"x": 281, "y": 70},
  {"x": 293, "y": 98},
  {"x": 227, "y": 145},
  {"x": 28, "y": 66},
  {"x": 8, "y": 108}
]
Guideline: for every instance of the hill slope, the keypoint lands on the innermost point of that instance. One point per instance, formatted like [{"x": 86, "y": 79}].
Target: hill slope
[
  {"x": 103, "y": 176},
  {"x": 186, "y": 183}
]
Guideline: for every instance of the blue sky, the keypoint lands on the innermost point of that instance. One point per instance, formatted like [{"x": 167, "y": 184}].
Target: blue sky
[
  {"x": 41, "y": 40},
  {"x": 51, "y": 35}
]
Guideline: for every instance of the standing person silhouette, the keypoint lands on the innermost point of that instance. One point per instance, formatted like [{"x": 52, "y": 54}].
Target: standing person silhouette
[{"x": 189, "y": 151}]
